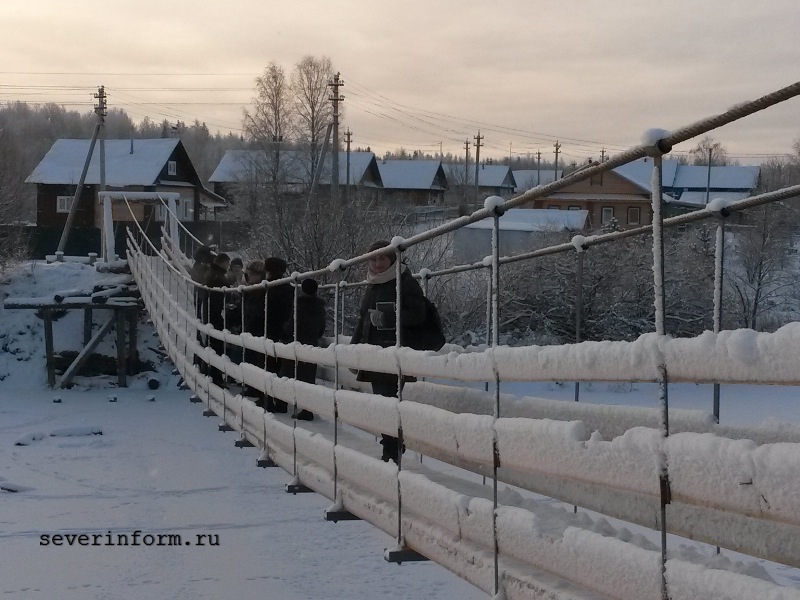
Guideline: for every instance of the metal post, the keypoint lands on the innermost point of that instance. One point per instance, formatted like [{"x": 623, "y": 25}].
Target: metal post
[
  {"x": 578, "y": 309},
  {"x": 719, "y": 265},
  {"x": 294, "y": 395},
  {"x": 398, "y": 264},
  {"x": 336, "y": 296},
  {"x": 495, "y": 343},
  {"x": 660, "y": 324}
]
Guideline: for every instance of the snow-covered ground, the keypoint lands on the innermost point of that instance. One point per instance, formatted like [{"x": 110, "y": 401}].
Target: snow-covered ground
[{"x": 160, "y": 468}]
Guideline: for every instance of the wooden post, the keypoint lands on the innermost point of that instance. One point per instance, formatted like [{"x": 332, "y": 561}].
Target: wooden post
[
  {"x": 122, "y": 370},
  {"x": 133, "y": 354},
  {"x": 87, "y": 325},
  {"x": 48, "y": 345}
]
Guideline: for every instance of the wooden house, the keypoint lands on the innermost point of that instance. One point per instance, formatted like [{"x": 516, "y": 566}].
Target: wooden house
[
  {"x": 136, "y": 165},
  {"x": 493, "y": 180},
  {"x": 290, "y": 173},
  {"x": 413, "y": 182}
]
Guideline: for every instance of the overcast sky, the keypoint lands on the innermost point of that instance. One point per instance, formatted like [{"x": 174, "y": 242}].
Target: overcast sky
[{"x": 419, "y": 73}]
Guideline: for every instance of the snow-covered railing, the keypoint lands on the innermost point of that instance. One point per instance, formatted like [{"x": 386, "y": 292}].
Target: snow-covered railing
[{"x": 677, "y": 471}]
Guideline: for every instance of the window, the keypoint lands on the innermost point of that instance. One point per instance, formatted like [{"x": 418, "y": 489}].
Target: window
[
  {"x": 606, "y": 215},
  {"x": 184, "y": 212},
  {"x": 573, "y": 207},
  {"x": 63, "y": 204},
  {"x": 634, "y": 215},
  {"x": 553, "y": 207},
  {"x": 172, "y": 167}
]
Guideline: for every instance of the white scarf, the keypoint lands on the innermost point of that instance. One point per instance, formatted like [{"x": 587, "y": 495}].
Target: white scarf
[{"x": 387, "y": 275}]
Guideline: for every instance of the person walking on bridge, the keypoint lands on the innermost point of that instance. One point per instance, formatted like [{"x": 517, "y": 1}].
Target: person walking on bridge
[
  {"x": 280, "y": 303},
  {"x": 377, "y": 323}
]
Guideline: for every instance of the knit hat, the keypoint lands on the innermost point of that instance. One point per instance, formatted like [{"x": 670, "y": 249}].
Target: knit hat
[
  {"x": 309, "y": 286},
  {"x": 275, "y": 265},
  {"x": 383, "y": 244}
]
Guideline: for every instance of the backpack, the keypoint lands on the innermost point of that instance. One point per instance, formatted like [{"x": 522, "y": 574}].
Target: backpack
[{"x": 429, "y": 335}]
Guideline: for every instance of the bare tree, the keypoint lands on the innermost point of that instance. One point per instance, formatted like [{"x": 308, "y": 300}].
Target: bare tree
[
  {"x": 272, "y": 123},
  {"x": 310, "y": 80},
  {"x": 699, "y": 155}
]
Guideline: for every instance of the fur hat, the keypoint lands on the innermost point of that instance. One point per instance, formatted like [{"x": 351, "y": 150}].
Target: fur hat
[
  {"x": 275, "y": 265},
  {"x": 256, "y": 266}
]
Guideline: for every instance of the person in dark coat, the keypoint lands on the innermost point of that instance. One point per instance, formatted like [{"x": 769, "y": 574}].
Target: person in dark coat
[
  {"x": 376, "y": 324},
  {"x": 217, "y": 277},
  {"x": 253, "y": 319},
  {"x": 233, "y": 306},
  {"x": 280, "y": 303},
  {"x": 203, "y": 257},
  {"x": 310, "y": 327}
]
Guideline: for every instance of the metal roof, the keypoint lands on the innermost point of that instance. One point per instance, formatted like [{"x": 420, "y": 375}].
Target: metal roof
[
  {"x": 536, "y": 219},
  {"x": 293, "y": 167},
  {"x": 412, "y": 174},
  {"x": 127, "y": 163}
]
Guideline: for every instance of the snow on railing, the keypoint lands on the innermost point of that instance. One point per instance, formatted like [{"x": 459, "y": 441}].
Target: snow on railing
[{"x": 687, "y": 476}]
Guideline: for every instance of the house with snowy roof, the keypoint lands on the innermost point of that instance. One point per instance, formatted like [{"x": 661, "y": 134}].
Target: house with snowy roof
[
  {"x": 413, "y": 182},
  {"x": 690, "y": 187},
  {"x": 623, "y": 194},
  {"x": 141, "y": 165},
  {"x": 606, "y": 198},
  {"x": 527, "y": 179},
  {"x": 290, "y": 171},
  {"x": 520, "y": 229},
  {"x": 493, "y": 180}
]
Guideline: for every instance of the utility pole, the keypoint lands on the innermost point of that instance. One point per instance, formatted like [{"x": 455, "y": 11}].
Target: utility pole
[
  {"x": 466, "y": 169},
  {"x": 478, "y": 145},
  {"x": 602, "y": 160},
  {"x": 557, "y": 146},
  {"x": 100, "y": 111},
  {"x": 348, "y": 136},
  {"x": 335, "y": 98},
  {"x": 708, "y": 176},
  {"x": 538, "y": 167},
  {"x": 509, "y": 153}
]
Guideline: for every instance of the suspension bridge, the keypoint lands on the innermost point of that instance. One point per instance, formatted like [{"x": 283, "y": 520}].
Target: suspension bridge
[{"x": 674, "y": 471}]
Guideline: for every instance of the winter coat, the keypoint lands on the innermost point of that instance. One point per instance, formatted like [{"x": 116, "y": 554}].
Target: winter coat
[
  {"x": 310, "y": 327},
  {"x": 280, "y": 304},
  {"x": 216, "y": 278},
  {"x": 310, "y": 320},
  {"x": 199, "y": 274},
  {"x": 413, "y": 310},
  {"x": 253, "y": 308}
]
